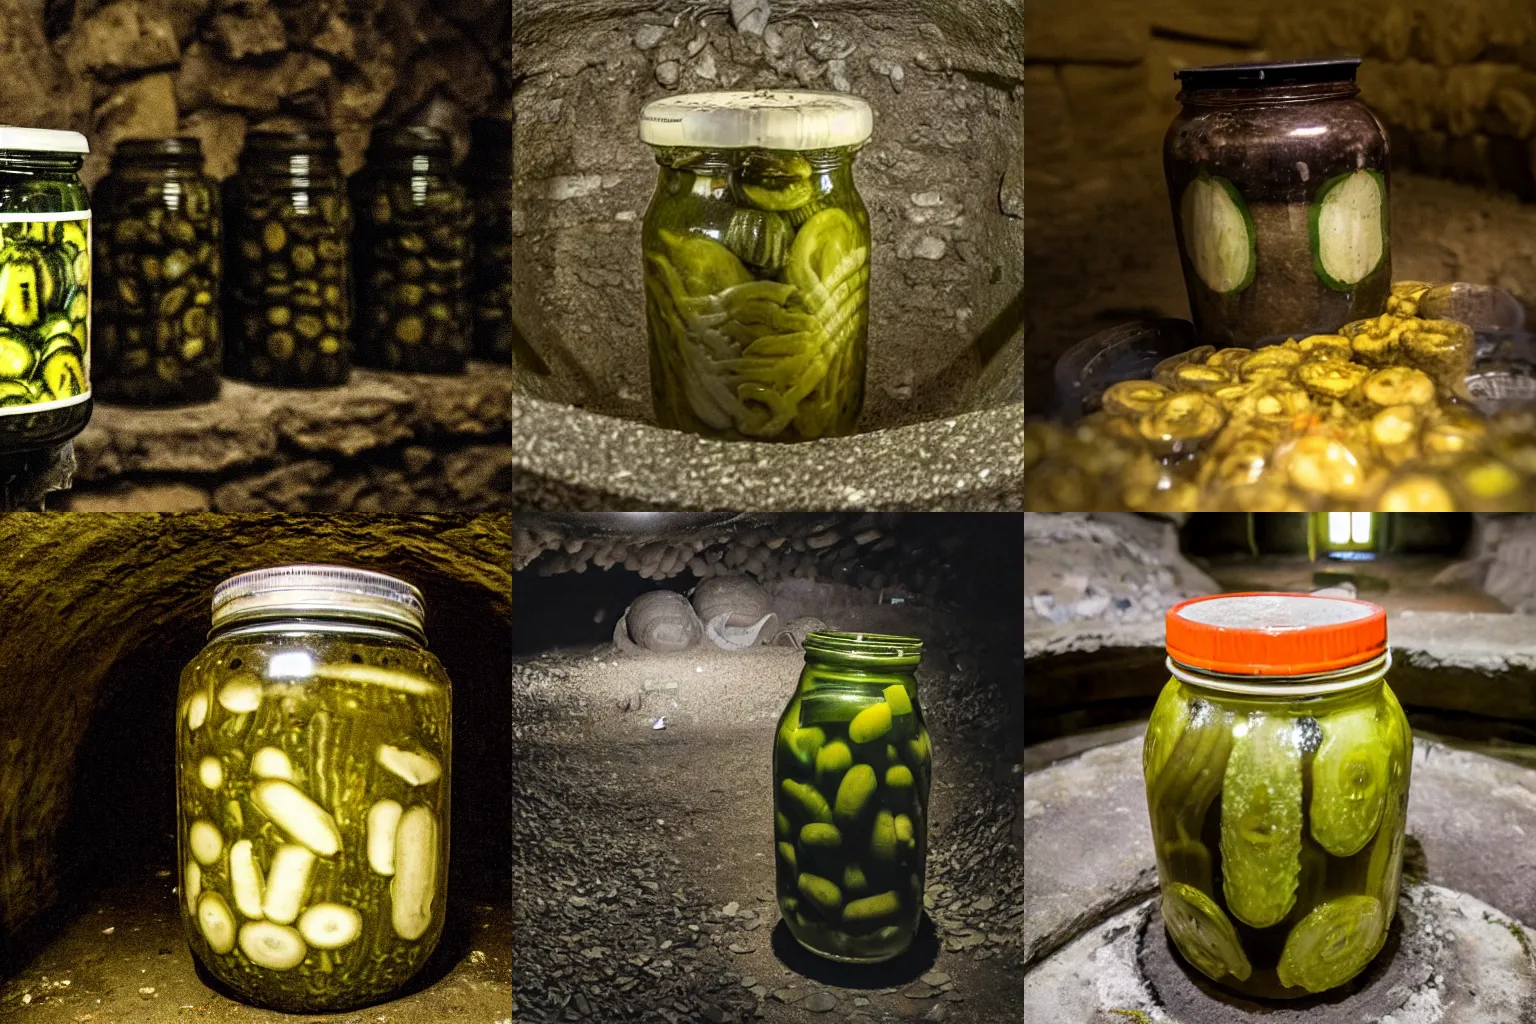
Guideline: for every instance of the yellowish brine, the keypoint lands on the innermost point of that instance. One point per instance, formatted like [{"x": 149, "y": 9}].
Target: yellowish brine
[{"x": 313, "y": 813}]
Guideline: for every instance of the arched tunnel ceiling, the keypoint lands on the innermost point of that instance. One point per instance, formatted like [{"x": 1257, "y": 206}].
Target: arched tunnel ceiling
[{"x": 83, "y": 591}]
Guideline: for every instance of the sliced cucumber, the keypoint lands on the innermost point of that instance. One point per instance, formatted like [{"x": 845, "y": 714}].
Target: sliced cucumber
[
  {"x": 1332, "y": 944},
  {"x": 1348, "y": 226},
  {"x": 1349, "y": 780},
  {"x": 1203, "y": 933},
  {"x": 1182, "y": 422},
  {"x": 1261, "y": 821},
  {"x": 1400, "y": 385},
  {"x": 1163, "y": 731},
  {"x": 1218, "y": 234}
]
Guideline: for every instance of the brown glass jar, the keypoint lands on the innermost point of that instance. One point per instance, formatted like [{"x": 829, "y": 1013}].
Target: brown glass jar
[
  {"x": 489, "y": 170},
  {"x": 1278, "y": 179},
  {"x": 158, "y": 234},
  {"x": 289, "y": 224},
  {"x": 412, "y": 253}
]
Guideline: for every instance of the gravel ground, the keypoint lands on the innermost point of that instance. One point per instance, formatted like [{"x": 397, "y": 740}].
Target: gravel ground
[{"x": 643, "y": 885}]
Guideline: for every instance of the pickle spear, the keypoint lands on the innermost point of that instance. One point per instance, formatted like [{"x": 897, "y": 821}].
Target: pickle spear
[
  {"x": 1204, "y": 934},
  {"x": 1261, "y": 821},
  {"x": 1349, "y": 781},
  {"x": 1183, "y": 794},
  {"x": 1163, "y": 731},
  {"x": 1332, "y": 944}
]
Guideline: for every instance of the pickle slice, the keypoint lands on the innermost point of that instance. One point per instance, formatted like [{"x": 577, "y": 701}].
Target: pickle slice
[
  {"x": 1349, "y": 781},
  {"x": 1218, "y": 234},
  {"x": 1348, "y": 225},
  {"x": 1182, "y": 422},
  {"x": 1163, "y": 731},
  {"x": 1132, "y": 397},
  {"x": 1203, "y": 933},
  {"x": 1261, "y": 821},
  {"x": 1400, "y": 385},
  {"x": 1332, "y": 944}
]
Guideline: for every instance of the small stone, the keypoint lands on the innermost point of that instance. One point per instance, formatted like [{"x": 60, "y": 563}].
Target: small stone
[
  {"x": 582, "y": 1006},
  {"x": 918, "y": 990},
  {"x": 860, "y": 1001},
  {"x": 577, "y": 902},
  {"x": 713, "y": 1014},
  {"x": 788, "y": 995},
  {"x": 739, "y": 949},
  {"x": 705, "y": 68},
  {"x": 729, "y": 910},
  {"x": 930, "y": 248},
  {"x": 749, "y": 982},
  {"x": 935, "y": 978},
  {"x": 985, "y": 903},
  {"x": 667, "y": 72},
  {"x": 821, "y": 1002},
  {"x": 147, "y": 991},
  {"x": 647, "y": 37}
]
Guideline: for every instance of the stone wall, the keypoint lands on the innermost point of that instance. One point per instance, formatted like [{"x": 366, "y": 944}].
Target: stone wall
[
  {"x": 942, "y": 176},
  {"x": 214, "y": 68},
  {"x": 114, "y": 605}
]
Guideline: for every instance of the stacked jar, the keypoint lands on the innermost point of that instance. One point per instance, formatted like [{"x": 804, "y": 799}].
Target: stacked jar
[
  {"x": 289, "y": 229},
  {"x": 490, "y": 184},
  {"x": 159, "y": 236},
  {"x": 413, "y": 253}
]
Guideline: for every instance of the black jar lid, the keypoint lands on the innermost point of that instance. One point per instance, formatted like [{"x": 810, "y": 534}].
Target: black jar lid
[
  {"x": 1269, "y": 74},
  {"x": 411, "y": 138}
]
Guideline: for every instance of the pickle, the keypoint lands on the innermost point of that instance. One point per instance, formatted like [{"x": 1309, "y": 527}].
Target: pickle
[
  {"x": 1203, "y": 933},
  {"x": 1185, "y": 791},
  {"x": 1333, "y": 943},
  {"x": 1132, "y": 397},
  {"x": 1271, "y": 357},
  {"x": 1182, "y": 422},
  {"x": 1261, "y": 821},
  {"x": 1200, "y": 377},
  {"x": 1404, "y": 299},
  {"x": 1349, "y": 781},
  {"x": 1163, "y": 731},
  {"x": 1331, "y": 378},
  {"x": 1163, "y": 372}
]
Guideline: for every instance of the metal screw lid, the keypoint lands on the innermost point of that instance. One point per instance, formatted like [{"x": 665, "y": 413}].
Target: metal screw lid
[{"x": 324, "y": 591}]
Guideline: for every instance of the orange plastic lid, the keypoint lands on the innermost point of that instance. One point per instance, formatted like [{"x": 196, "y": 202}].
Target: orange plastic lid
[{"x": 1275, "y": 634}]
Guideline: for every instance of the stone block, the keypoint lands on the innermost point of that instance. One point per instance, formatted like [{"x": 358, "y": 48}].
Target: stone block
[
  {"x": 141, "y": 498},
  {"x": 1109, "y": 31},
  {"x": 123, "y": 38}
]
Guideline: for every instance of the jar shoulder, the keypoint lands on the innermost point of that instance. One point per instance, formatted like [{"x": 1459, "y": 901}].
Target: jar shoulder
[{"x": 254, "y": 653}]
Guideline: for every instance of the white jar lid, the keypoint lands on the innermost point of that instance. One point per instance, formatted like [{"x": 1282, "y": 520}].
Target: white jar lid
[
  {"x": 766, "y": 119},
  {"x": 42, "y": 140}
]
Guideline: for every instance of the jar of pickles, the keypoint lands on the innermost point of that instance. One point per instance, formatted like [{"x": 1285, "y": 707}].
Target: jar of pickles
[
  {"x": 45, "y": 289},
  {"x": 413, "y": 254},
  {"x": 312, "y": 767},
  {"x": 1277, "y": 763},
  {"x": 1278, "y": 178},
  {"x": 290, "y": 226},
  {"x": 756, "y": 250},
  {"x": 159, "y": 231},
  {"x": 850, "y": 781},
  {"x": 490, "y": 187}
]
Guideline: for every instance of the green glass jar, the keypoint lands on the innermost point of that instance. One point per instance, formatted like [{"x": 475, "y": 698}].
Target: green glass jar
[
  {"x": 1277, "y": 764},
  {"x": 851, "y": 768},
  {"x": 490, "y": 185},
  {"x": 312, "y": 765},
  {"x": 45, "y": 289},
  {"x": 413, "y": 253},
  {"x": 160, "y": 231},
  {"x": 756, "y": 252},
  {"x": 289, "y": 224}
]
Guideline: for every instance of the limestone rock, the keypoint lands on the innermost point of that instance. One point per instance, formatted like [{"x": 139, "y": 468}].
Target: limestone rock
[
  {"x": 222, "y": 133},
  {"x": 245, "y": 28},
  {"x": 144, "y": 108},
  {"x": 122, "y": 38},
  {"x": 336, "y": 38},
  {"x": 40, "y": 89}
]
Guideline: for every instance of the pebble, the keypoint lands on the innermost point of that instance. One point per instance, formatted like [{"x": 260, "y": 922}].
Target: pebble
[
  {"x": 860, "y": 1001},
  {"x": 930, "y": 248},
  {"x": 713, "y": 1014},
  {"x": 729, "y": 910},
  {"x": 821, "y": 1002},
  {"x": 739, "y": 949},
  {"x": 649, "y": 36},
  {"x": 918, "y": 990},
  {"x": 788, "y": 995},
  {"x": 748, "y": 982},
  {"x": 705, "y": 68},
  {"x": 936, "y": 978},
  {"x": 667, "y": 72}
]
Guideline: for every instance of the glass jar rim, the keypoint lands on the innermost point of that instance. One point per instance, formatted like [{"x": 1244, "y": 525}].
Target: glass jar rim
[
  {"x": 1283, "y": 687},
  {"x": 318, "y": 591},
  {"x": 872, "y": 649}
]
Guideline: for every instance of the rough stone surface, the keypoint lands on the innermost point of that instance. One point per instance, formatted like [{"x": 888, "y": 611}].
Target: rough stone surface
[
  {"x": 1455, "y": 960},
  {"x": 572, "y": 459},
  {"x": 945, "y": 80},
  {"x": 116, "y": 604},
  {"x": 1105, "y": 567},
  {"x": 383, "y": 442}
]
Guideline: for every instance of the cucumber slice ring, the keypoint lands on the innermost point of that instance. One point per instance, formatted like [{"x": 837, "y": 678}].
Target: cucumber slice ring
[
  {"x": 1332, "y": 944},
  {"x": 1203, "y": 933},
  {"x": 1349, "y": 781},
  {"x": 1348, "y": 228},
  {"x": 1218, "y": 234}
]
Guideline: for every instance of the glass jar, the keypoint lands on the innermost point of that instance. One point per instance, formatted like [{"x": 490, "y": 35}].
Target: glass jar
[
  {"x": 490, "y": 185},
  {"x": 45, "y": 289},
  {"x": 160, "y": 235},
  {"x": 1277, "y": 763},
  {"x": 851, "y": 769},
  {"x": 413, "y": 259},
  {"x": 312, "y": 766},
  {"x": 289, "y": 226},
  {"x": 1278, "y": 179},
  {"x": 756, "y": 249}
]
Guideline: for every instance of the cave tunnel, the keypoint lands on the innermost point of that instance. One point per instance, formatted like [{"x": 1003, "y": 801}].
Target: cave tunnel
[
  {"x": 102, "y": 613},
  {"x": 643, "y": 815}
]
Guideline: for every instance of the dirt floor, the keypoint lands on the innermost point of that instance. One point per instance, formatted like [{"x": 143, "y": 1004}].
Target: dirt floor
[
  {"x": 121, "y": 958},
  {"x": 655, "y": 851}
]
